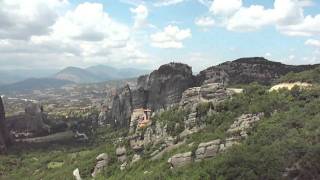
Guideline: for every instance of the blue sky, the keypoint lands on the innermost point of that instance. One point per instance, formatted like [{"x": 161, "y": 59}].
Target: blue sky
[{"x": 141, "y": 33}]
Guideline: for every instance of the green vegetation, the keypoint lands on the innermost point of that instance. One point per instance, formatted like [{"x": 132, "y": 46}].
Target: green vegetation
[
  {"x": 287, "y": 135},
  {"x": 311, "y": 76},
  {"x": 174, "y": 119}
]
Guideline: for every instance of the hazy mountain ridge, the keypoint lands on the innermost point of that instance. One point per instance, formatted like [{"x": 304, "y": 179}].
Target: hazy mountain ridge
[{"x": 34, "y": 84}]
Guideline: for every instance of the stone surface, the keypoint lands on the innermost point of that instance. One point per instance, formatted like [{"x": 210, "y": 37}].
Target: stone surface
[
  {"x": 123, "y": 166},
  {"x": 180, "y": 160},
  {"x": 159, "y": 90},
  {"x": 5, "y": 138},
  {"x": 122, "y": 108},
  {"x": 121, "y": 154},
  {"x": 207, "y": 149},
  {"x": 76, "y": 174},
  {"x": 135, "y": 158},
  {"x": 102, "y": 162},
  {"x": 243, "y": 123}
]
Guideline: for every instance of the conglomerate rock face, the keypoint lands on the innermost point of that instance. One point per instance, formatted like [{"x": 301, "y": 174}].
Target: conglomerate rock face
[
  {"x": 122, "y": 108},
  {"x": 5, "y": 138},
  {"x": 159, "y": 90},
  {"x": 164, "y": 87}
]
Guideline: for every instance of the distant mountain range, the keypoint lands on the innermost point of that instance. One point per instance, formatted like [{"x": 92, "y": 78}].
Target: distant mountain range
[
  {"x": 97, "y": 73},
  {"x": 26, "y": 80},
  {"x": 34, "y": 84}
]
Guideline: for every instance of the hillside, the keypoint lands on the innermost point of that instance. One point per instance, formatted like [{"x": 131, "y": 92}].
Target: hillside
[
  {"x": 247, "y": 70},
  {"x": 76, "y": 75},
  {"x": 198, "y": 130},
  {"x": 110, "y": 73}
]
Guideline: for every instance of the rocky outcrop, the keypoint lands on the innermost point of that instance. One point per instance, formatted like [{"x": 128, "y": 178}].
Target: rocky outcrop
[
  {"x": 102, "y": 162},
  {"x": 5, "y": 138},
  {"x": 247, "y": 70},
  {"x": 122, "y": 108},
  {"x": 76, "y": 174},
  {"x": 236, "y": 133},
  {"x": 31, "y": 123},
  {"x": 121, "y": 154},
  {"x": 180, "y": 160},
  {"x": 208, "y": 149},
  {"x": 158, "y": 90},
  {"x": 213, "y": 92},
  {"x": 166, "y": 85},
  {"x": 243, "y": 123},
  {"x": 135, "y": 158}
]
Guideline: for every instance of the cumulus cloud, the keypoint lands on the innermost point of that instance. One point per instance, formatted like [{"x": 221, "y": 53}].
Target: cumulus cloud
[
  {"x": 225, "y": 7},
  {"x": 286, "y": 15},
  {"x": 313, "y": 43},
  {"x": 167, "y": 2},
  {"x": 170, "y": 37},
  {"x": 21, "y": 19},
  {"x": 205, "y": 22},
  {"x": 141, "y": 14},
  {"x": 86, "y": 34}
]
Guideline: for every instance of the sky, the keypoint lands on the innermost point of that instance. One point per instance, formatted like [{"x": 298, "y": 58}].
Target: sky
[{"x": 48, "y": 34}]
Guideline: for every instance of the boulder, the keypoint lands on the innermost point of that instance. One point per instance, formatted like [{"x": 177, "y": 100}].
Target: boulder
[
  {"x": 135, "y": 158},
  {"x": 102, "y": 162},
  {"x": 76, "y": 174},
  {"x": 123, "y": 166},
  {"x": 180, "y": 160},
  {"x": 208, "y": 149},
  {"x": 121, "y": 154}
]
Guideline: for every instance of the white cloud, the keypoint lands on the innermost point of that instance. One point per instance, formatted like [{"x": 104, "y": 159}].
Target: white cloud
[
  {"x": 249, "y": 19},
  {"x": 308, "y": 27},
  {"x": 205, "y": 22},
  {"x": 21, "y": 19},
  {"x": 159, "y": 3},
  {"x": 313, "y": 42},
  {"x": 141, "y": 14},
  {"x": 170, "y": 37},
  {"x": 225, "y": 7},
  {"x": 83, "y": 35},
  {"x": 286, "y": 15},
  {"x": 268, "y": 55}
]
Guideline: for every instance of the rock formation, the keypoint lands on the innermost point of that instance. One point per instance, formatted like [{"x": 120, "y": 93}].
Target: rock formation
[
  {"x": 180, "y": 160},
  {"x": 122, "y": 108},
  {"x": 30, "y": 123},
  {"x": 247, "y": 70},
  {"x": 5, "y": 138},
  {"x": 121, "y": 154},
  {"x": 161, "y": 89},
  {"x": 237, "y": 132},
  {"x": 165, "y": 86},
  {"x": 208, "y": 149},
  {"x": 102, "y": 162}
]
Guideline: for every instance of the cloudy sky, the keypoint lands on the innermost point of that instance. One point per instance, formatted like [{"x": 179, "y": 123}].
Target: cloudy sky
[{"x": 43, "y": 34}]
